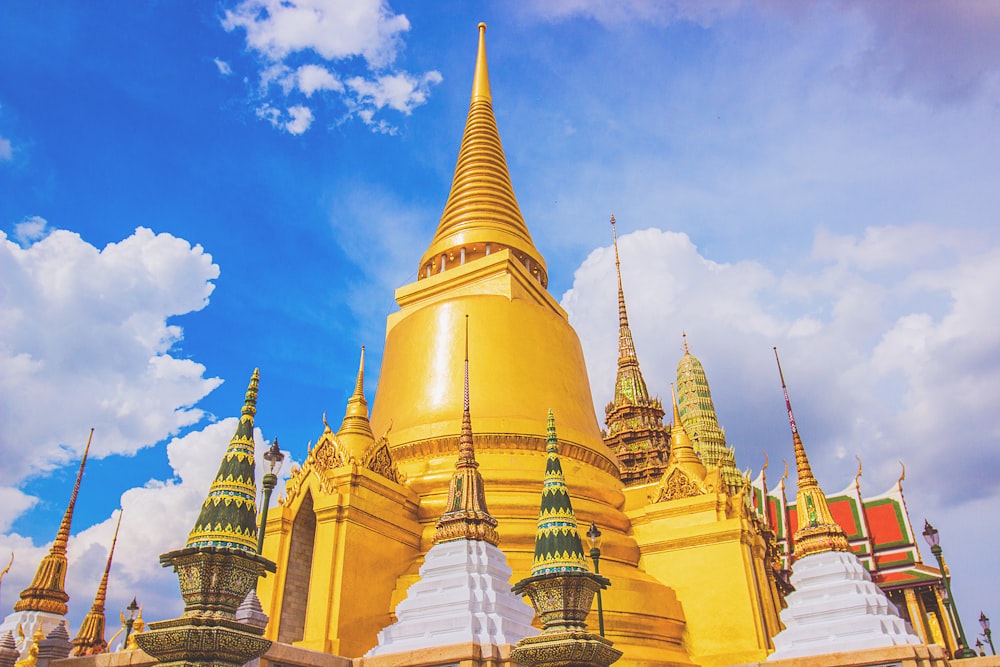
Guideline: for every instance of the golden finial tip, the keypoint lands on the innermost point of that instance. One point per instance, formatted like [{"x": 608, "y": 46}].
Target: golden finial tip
[{"x": 481, "y": 26}]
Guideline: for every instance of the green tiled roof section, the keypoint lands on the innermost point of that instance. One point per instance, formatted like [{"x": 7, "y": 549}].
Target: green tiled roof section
[
  {"x": 228, "y": 516},
  {"x": 557, "y": 541}
]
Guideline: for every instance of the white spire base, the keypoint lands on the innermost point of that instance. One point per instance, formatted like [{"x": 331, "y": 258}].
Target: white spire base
[
  {"x": 462, "y": 596},
  {"x": 24, "y": 624},
  {"x": 836, "y": 608}
]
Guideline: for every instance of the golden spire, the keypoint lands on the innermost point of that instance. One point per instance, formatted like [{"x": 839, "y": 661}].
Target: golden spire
[
  {"x": 634, "y": 419},
  {"x": 698, "y": 415},
  {"x": 356, "y": 422},
  {"x": 90, "y": 639},
  {"x": 482, "y": 215},
  {"x": 817, "y": 531},
  {"x": 681, "y": 449},
  {"x": 47, "y": 591},
  {"x": 466, "y": 516}
]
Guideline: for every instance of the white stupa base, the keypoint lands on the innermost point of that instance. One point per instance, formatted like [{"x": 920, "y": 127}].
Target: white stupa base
[
  {"x": 835, "y": 608},
  {"x": 462, "y": 596},
  {"x": 29, "y": 622}
]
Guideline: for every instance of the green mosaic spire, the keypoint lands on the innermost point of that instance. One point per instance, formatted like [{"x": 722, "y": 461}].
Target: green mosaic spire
[
  {"x": 229, "y": 516},
  {"x": 557, "y": 541}
]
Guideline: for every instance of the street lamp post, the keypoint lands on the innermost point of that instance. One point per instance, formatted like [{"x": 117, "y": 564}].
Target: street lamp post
[
  {"x": 272, "y": 459},
  {"x": 984, "y": 622},
  {"x": 934, "y": 540},
  {"x": 594, "y": 536},
  {"x": 132, "y": 609}
]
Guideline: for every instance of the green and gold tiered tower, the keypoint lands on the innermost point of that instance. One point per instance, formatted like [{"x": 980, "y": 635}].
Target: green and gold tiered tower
[
  {"x": 219, "y": 566},
  {"x": 560, "y": 587},
  {"x": 698, "y": 416}
]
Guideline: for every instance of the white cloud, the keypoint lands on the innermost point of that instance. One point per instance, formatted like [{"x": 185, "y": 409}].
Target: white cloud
[
  {"x": 301, "y": 119},
  {"x": 399, "y": 91},
  {"x": 6, "y": 150},
  {"x": 331, "y": 29},
  {"x": 84, "y": 342},
  {"x": 224, "y": 68},
  {"x": 30, "y": 230},
  {"x": 136, "y": 571},
  {"x": 317, "y": 34},
  {"x": 313, "y": 77}
]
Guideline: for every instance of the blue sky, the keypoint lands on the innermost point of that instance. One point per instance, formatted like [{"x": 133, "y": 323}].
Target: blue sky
[{"x": 190, "y": 190}]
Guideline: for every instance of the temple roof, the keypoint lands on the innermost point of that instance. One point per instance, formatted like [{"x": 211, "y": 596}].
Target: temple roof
[
  {"x": 47, "y": 591},
  {"x": 228, "y": 517},
  {"x": 481, "y": 207},
  {"x": 557, "y": 541},
  {"x": 466, "y": 516}
]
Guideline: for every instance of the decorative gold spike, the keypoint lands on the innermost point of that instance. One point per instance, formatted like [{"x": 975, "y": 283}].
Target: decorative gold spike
[
  {"x": 47, "y": 591},
  {"x": 466, "y": 516},
  {"x": 818, "y": 531}
]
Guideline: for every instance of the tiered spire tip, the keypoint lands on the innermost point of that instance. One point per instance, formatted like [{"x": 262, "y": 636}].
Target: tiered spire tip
[
  {"x": 558, "y": 547},
  {"x": 90, "y": 639},
  {"x": 228, "y": 517},
  {"x": 817, "y": 530},
  {"x": 47, "y": 591},
  {"x": 482, "y": 215},
  {"x": 467, "y": 516}
]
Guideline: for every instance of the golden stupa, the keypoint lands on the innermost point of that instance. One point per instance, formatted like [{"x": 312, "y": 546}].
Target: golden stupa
[{"x": 358, "y": 515}]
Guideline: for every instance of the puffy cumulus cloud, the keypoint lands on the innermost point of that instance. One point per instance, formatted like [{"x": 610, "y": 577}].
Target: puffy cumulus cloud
[
  {"x": 332, "y": 29},
  {"x": 888, "y": 355},
  {"x": 84, "y": 342},
  {"x": 400, "y": 91},
  {"x": 136, "y": 571},
  {"x": 320, "y": 36},
  {"x": 30, "y": 230},
  {"x": 301, "y": 119},
  {"x": 311, "y": 78}
]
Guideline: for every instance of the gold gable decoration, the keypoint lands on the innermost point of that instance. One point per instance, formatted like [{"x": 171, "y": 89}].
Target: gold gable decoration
[{"x": 329, "y": 453}]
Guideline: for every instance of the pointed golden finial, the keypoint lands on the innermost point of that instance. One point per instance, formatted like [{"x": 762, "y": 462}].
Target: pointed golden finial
[
  {"x": 818, "y": 531},
  {"x": 902, "y": 475},
  {"x": 684, "y": 335},
  {"x": 682, "y": 450},
  {"x": 466, "y": 453},
  {"x": 466, "y": 516},
  {"x": 90, "y": 639},
  {"x": 355, "y": 434},
  {"x": 481, "y": 79},
  {"x": 801, "y": 460},
  {"x": 356, "y": 415},
  {"x": 481, "y": 216},
  {"x": 857, "y": 477},
  {"x": 47, "y": 591},
  {"x": 622, "y": 315}
]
